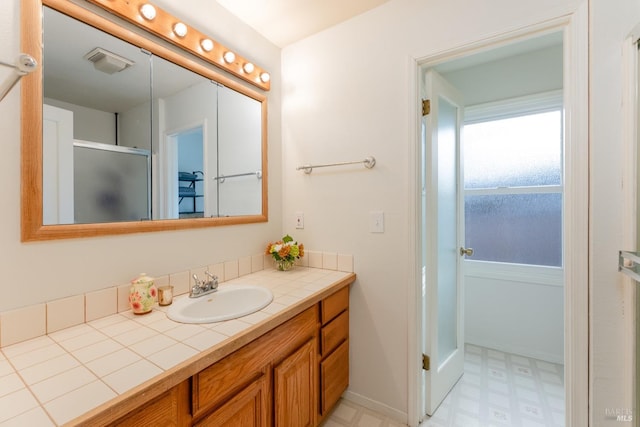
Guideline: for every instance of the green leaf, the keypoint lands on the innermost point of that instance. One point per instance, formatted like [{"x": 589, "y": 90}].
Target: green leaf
[{"x": 287, "y": 239}]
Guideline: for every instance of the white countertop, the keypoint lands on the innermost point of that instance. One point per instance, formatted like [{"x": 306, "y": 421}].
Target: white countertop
[{"x": 53, "y": 379}]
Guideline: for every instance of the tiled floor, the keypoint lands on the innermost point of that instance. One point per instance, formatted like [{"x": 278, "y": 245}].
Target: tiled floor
[{"x": 497, "y": 389}]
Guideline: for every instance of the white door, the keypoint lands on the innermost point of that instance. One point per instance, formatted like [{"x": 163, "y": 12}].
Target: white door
[
  {"x": 57, "y": 166},
  {"x": 442, "y": 241}
]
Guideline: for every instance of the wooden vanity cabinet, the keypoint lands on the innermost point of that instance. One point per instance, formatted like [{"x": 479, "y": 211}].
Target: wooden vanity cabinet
[
  {"x": 291, "y": 376},
  {"x": 334, "y": 349}
]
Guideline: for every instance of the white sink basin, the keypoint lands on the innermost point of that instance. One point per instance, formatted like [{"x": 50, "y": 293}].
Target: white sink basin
[{"x": 228, "y": 302}]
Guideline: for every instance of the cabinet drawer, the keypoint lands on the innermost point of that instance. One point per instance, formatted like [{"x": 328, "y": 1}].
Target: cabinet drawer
[
  {"x": 334, "y": 377},
  {"x": 334, "y": 333},
  {"x": 333, "y": 305}
]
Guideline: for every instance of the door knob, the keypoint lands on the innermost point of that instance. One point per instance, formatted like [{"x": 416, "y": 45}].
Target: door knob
[{"x": 466, "y": 251}]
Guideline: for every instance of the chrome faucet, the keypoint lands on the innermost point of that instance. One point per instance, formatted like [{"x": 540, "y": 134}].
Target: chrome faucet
[{"x": 204, "y": 287}]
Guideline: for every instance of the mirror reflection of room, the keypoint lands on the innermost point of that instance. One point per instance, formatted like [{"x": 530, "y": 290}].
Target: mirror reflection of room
[{"x": 116, "y": 121}]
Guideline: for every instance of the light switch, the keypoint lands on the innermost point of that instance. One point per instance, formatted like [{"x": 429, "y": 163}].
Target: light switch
[
  {"x": 299, "y": 216},
  {"x": 376, "y": 222}
]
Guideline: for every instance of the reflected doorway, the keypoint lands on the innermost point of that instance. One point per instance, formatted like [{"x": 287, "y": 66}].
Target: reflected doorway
[
  {"x": 190, "y": 173},
  {"x": 183, "y": 174}
]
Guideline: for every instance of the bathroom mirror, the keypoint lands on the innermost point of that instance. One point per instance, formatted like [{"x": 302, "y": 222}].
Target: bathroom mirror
[{"x": 123, "y": 133}]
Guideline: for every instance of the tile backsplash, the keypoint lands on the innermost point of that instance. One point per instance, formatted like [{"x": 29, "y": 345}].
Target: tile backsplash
[{"x": 40, "y": 319}]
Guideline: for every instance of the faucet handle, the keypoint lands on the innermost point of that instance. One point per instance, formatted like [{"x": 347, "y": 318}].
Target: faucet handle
[{"x": 213, "y": 277}]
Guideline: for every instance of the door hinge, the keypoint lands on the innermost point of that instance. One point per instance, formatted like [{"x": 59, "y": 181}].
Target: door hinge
[
  {"x": 426, "y": 107},
  {"x": 426, "y": 362}
]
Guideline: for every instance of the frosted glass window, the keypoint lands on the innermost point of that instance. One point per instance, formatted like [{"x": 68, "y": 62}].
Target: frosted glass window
[
  {"x": 447, "y": 230},
  {"x": 518, "y": 151},
  {"x": 513, "y": 189},
  {"x": 515, "y": 228}
]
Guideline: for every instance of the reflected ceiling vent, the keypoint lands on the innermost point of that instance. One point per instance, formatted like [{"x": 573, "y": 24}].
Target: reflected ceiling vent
[{"x": 108, "y": 62}]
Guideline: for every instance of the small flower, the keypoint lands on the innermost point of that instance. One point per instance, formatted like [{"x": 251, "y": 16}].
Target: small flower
[
  {"x": 284, "y": 251},
  {"x": 153, "y": 291}
]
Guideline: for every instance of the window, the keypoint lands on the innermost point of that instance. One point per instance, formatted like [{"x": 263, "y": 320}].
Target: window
[{"x": 513, "y": 181}]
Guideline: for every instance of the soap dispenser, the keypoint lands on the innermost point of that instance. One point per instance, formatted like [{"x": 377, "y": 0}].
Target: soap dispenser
[{"x": 142, "y": 294}]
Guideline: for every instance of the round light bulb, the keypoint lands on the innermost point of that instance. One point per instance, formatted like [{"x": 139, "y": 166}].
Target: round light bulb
[
  {"x": 180, "y": 29},
  {"x": 248, "y": 67},
  {"x": 265, "y": 77},
  {"x": 207, "y": 45},
  {"x": 148, "y": 12},
  {"x": 229, "y": 57}
]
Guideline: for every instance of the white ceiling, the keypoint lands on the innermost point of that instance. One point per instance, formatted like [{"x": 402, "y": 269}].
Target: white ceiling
[{"x": 286, "y": 21}]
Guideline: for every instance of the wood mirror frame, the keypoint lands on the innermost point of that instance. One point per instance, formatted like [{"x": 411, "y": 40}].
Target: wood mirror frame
[{"x": 32, "y": 228}]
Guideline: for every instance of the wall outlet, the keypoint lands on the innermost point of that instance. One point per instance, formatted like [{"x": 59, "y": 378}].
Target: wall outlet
[
  {"x": 376, "y": 222},
  {"x": 299, "y": 218}
]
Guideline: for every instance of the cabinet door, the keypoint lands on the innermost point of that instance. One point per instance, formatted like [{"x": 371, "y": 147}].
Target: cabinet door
[
  {"x": 295, "y": 385},
  {"x": 246, "y": 409},
  {"x": 334, "y": 377}
]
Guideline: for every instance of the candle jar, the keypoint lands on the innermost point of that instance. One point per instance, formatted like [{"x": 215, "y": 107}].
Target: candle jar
[
  {"x": 142, "y": 294},
  {"x": 165, "y": 295}
]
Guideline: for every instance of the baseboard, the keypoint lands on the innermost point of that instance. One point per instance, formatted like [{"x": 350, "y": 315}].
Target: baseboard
[
  {"x": 520, "y": 351},
  {"x": 374, "y": 405}
]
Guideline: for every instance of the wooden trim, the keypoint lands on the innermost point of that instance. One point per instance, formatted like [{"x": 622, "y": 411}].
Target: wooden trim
[
  {"x": 32, "y": 228},
  {"x": 31, "y": 123}
]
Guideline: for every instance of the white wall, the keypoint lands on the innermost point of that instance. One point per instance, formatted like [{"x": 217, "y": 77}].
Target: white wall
[
  {"x": 89, "y": 124},
  {"x": 346, "y": 95},
  {"x": 44, "y": 271},
  {"x": 134, "y": 127},
  {"x": 518, "y": 75},
  {"x": 515, "y": 308}
]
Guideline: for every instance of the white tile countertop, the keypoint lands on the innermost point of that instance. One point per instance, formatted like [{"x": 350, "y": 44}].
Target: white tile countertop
[{"x": 57, "y": 378}]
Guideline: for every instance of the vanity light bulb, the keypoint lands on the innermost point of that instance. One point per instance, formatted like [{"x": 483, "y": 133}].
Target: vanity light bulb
[
  {"x": 265, "y": 77},
  {"x": 180, "y": 29},
  {"x": 229, "y": 57},
  {"x": 248, "y": 67},
  {"x": 207, "y": 45},
  {"x": 148, "y": 12}
]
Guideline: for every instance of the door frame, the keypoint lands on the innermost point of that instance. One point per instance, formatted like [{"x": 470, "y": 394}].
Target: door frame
[{"x": 574, "y": 27}]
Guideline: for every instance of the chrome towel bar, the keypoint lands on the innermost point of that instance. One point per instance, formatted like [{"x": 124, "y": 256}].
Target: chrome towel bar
[
  {"x": 368, "y": 162},
  {"x": 221, "y": 178}
]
